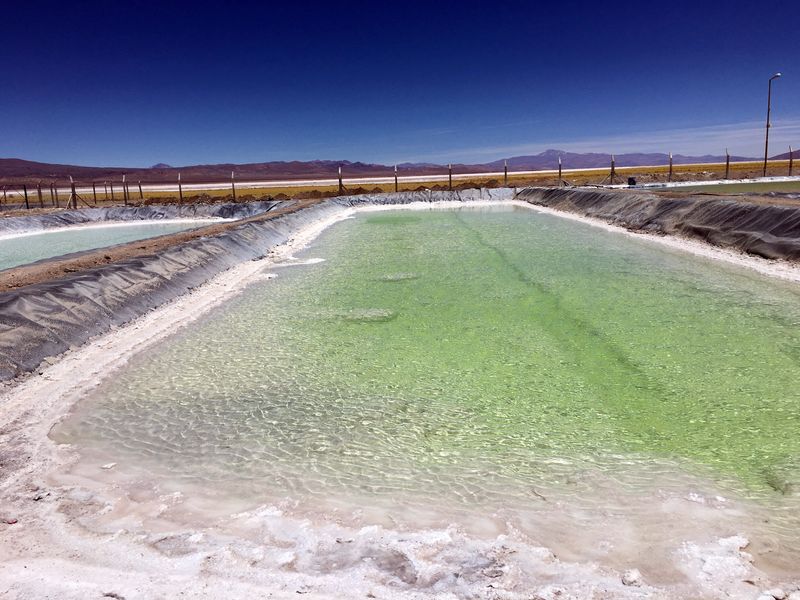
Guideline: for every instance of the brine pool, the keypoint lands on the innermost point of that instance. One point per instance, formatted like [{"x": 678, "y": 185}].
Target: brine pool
[
  {"x": 496, "y": 368},
  {"x": 25, "y": 248}
]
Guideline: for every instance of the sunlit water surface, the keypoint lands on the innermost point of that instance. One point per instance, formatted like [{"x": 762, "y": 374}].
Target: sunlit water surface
[
  {"x": 472, "y": 361},
  {"x": 28, "y": 248}
]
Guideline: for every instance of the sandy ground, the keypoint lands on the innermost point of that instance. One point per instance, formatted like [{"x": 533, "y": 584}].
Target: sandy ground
[{"x": 49, "y": 549}]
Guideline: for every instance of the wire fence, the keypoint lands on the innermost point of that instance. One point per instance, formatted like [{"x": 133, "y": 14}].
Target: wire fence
[{"x": 78, "y": 194}]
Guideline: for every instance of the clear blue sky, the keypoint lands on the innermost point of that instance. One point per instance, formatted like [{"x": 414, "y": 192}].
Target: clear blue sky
[{"x": 135, "y": 83}]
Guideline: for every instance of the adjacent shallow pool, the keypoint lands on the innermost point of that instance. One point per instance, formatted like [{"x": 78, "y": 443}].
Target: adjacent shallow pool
[
  {"x": 472, "y": 362},
  {"x": 22, "y": 249}
]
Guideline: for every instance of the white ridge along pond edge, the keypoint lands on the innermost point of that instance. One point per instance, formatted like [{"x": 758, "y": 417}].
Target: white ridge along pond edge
[{"x": 48, "y": 546}]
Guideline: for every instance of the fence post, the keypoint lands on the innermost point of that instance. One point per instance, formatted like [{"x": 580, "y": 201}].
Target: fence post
[
  {"x": 94, "y": 194},
  {"x": 233, "y": 186},
  {"x": 141, "y": 195},
  {"x": 54, "y": 194},
  {"x": 111, "y": 183},
  {"x": 341, "y": 186},
  {"x": 669, "y": 177},
  {"x": 505, "y": 172},
  {"x": 25, "y": 190},
  {"x": 559, "y": 171},
  {"x": 791, "y": 161},
  {"x": 73, "y": 197},
  {"x": 727, "y": 163},
  {"x": 450, "y": 177},
  {"x": 613, "y": 172},
  {"x": 124, "y": 191},
  {"x": 5, "y": 198},
  {"x": 396, "y": 186},
  {"x": 39, "y": 193},
  {"x": 180, "y": 194}
]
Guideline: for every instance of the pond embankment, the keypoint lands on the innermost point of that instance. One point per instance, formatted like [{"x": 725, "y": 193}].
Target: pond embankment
[
  {"x": 770, "y": 230},
  {"x": 154, "y": 212},
  {"x": 48, "y": 308}
]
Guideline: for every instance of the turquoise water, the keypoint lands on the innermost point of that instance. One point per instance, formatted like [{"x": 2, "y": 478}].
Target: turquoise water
[
  {"x": 25, "y": 249},
  {"x": 470, "y": 357}
]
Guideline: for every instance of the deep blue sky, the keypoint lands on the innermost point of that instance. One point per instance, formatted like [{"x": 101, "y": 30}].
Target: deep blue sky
[{"x": 135, "y": 83}]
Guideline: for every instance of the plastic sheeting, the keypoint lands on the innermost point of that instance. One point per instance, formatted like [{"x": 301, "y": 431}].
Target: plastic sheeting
[
  {"x": 134, "y": 213},
  {"x": 46, "y": 319},
  {"x": 767, "y": 230}
]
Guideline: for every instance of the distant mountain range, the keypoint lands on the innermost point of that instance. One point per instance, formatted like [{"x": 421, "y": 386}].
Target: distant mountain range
[
  {"x": 785, "y": 155},
  {"x": 15, "y": 170}
]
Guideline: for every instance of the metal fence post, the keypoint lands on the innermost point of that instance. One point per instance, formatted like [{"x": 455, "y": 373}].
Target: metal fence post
[
  {"x": 25, "y": 190},
  {"x": 396, "y": 185},
  {"x": 180, "y": 193},
  {"x": 669, "y": 177},
  {"x": 233, "y": 186},
  {"x": 73, "y": 197},
  {"x": 613, "y": 172},
  {"x": 559, "y": 171},
  {"x": 505, "y": 172},
  {"x": 727, "y": 163}
]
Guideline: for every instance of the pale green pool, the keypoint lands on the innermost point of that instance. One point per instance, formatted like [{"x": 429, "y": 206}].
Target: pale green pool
[
  {"x": 27, "y": 248},
  {"x": 470, "y": 357}
]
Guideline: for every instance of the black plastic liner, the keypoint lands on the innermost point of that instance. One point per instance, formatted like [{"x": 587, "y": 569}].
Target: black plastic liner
[
  {"x": 770, "y": 231},
  {"x": 46, "y": 319},
  {"x": 134, "y": 213}
]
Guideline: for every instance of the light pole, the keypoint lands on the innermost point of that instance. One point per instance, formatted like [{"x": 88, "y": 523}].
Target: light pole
[{"x": 769, "y": 108}]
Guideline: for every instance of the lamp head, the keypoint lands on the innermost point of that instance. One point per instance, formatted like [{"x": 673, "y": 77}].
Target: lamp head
[{"x": 775, "y": 76}]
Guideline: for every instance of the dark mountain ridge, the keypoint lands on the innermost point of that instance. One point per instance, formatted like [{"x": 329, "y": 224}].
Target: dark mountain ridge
[{"x": 15, "y": 170}]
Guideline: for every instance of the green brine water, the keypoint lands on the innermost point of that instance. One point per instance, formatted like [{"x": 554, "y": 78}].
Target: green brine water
[
  {"x": 16, "y": 250},
  {"x": 474, "y": 358}
]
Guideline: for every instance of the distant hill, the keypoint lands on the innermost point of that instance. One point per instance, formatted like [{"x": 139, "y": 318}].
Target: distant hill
[
  {"x": 785, "y": 155},
  {"x": 15, "y": 170},
  {"x": 570, "y": 160}
]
